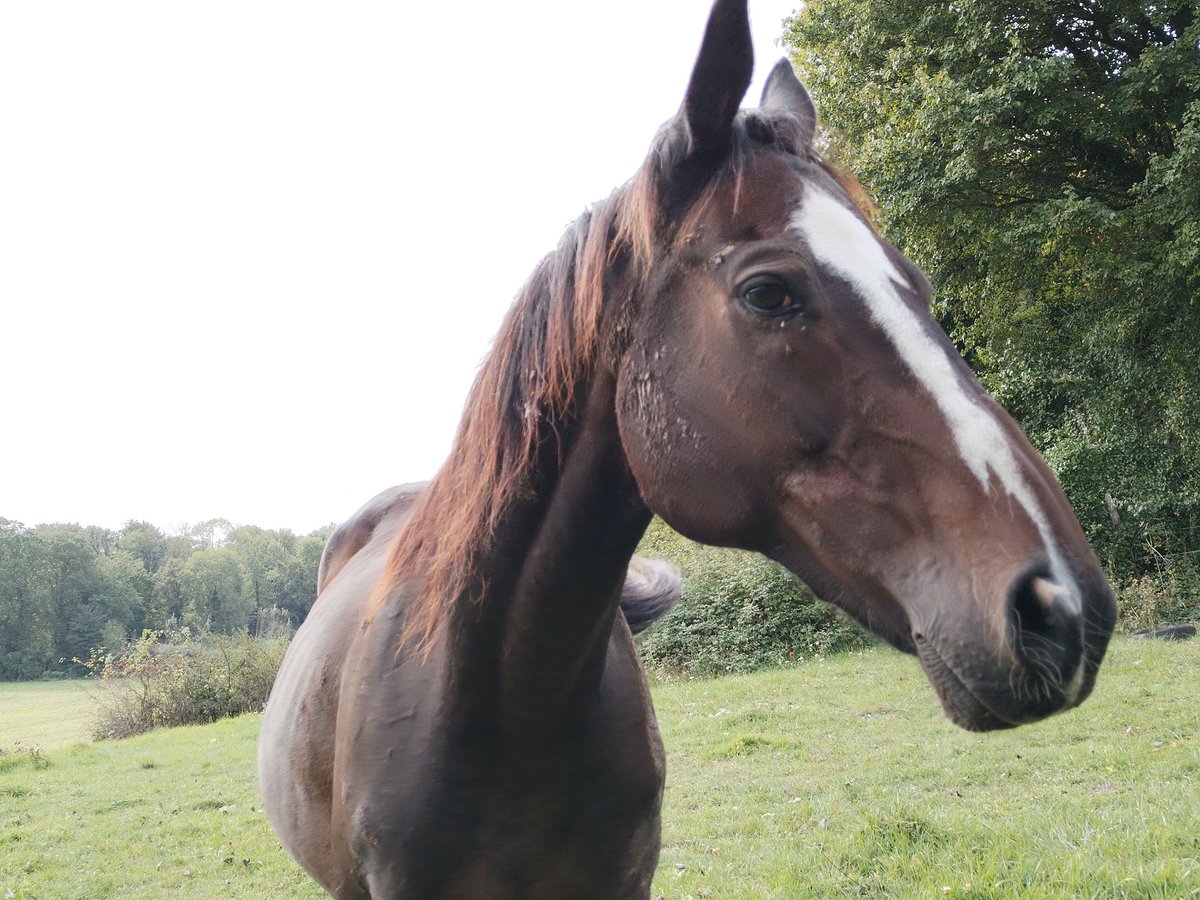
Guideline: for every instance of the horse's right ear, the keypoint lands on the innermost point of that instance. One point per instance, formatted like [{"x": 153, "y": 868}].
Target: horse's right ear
[{"x": 719, "y": 81}]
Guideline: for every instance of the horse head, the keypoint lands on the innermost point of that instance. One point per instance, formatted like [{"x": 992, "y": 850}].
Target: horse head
[{"x": 782, "y": 387}]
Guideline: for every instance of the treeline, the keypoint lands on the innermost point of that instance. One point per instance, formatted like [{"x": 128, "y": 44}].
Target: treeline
[{"x": 67, "y": 589}]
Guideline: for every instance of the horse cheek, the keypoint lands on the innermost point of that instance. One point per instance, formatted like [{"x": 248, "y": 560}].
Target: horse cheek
[{"x": 676, "y": 458}]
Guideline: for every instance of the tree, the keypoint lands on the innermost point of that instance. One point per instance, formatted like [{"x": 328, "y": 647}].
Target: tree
[
  {"x": 26, "y": 629},
  {"x": 66, "y": 589},
  {"x": 297, "y": 584},
  {"x": 263, "y": 555},
  {"x": 125, "y": 591},
  {"x": 211, "y": 533},
  {"x": 211, "y": 583},
  {"x": 1041, "y": 161},
  {"x": 66, "y": 570},
  {"x": 144, "y": 542}
]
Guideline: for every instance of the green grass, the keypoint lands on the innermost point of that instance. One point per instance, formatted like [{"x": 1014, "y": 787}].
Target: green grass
[
  {"x": 173, "y": 813},
  {"x": 46, "y": 715},
  {"x": 839, "y": 778}
]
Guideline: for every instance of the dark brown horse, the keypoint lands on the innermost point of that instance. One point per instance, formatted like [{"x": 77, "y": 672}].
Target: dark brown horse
[{"x": 728, "y": 343}]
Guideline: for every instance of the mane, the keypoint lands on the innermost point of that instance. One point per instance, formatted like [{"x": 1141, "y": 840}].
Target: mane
[{"x": 545, "y": 351}]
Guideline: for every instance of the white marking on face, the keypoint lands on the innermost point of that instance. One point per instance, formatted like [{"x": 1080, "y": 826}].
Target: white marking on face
[{"x": 843, "y": 243}]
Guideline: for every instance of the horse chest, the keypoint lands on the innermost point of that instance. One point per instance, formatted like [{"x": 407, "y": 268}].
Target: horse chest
[{"x": 470, "y": 811}]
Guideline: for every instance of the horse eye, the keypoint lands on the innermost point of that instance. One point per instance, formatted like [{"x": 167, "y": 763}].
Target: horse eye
[{"x": 768, "y": 296}]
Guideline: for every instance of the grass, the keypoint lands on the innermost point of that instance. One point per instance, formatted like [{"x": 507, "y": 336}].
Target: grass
[
  {"x": 46, "y": 714},
  {"x": 839, "y": 778},
  {"x": 173, "y": 813},
  {"x": 842, "y": 779}
]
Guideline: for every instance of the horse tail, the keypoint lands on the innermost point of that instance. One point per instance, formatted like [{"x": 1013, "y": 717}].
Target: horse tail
[{"x": 651, "y": 588}]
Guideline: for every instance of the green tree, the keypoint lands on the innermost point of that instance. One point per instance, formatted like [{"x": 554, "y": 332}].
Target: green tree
[
  {"x": 68, "y": 573},
  {"x": 66, "y": 589},
  {"x": 211, "y": 533},
  {"x": 125, "y": 591},
  {"x": 263, "y": 556},
  {"x": 1041, "y": 161},
  {"x": 144, "y": 542},
  {"x": 26, "y": 620},
  {"x": 210, "y": 582},
  {"x": 297, "y": 578},
  {"x": 167, "y": 602}
]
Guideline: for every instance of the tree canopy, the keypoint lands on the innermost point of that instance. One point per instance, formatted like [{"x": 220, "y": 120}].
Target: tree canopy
[
  {"x": 1041, "y": 161},
  {"x": 66, "y": 589}
]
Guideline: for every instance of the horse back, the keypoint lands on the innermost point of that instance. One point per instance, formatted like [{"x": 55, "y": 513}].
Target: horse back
[{"x": 379, "y": 516}]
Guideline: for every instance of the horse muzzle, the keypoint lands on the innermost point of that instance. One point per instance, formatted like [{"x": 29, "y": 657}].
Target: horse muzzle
[{"x": 1045, "y": 661}]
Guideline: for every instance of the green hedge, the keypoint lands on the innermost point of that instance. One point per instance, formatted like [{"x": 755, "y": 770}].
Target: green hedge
[{"x": 738, "y": 612}]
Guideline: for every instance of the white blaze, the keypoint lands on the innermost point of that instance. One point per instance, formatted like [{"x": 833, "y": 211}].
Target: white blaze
[{"x": 842, "y": 242}]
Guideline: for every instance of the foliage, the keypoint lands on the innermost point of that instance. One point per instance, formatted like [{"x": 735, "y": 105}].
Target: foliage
[
  {"x": 1169, "y": 596},
  {"x": 738, "y": 612},
  {"x": 66, "y": 590},
  {"x": 1041, "y": 161},
  {"x": 175, "y": 679},
  {"x": 835, "y": 778}
]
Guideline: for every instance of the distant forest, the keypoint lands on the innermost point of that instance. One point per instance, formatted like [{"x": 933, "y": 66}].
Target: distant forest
[{"x": 65, "y": 589}]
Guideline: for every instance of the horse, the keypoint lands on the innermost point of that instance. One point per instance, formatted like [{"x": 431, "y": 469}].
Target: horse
[{"x": 727, "y": 342}]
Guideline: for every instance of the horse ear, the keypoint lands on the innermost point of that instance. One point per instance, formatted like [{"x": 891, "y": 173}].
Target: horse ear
[
  {"x": 719, "y": 80},
  {"x": 784, "y": 93}
]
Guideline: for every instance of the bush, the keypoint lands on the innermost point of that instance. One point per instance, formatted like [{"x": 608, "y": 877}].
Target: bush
[
  {"x": 738, "y": 612},
  {"x": 1168, "y": 598},
  {"x": 166, "y": 679}
]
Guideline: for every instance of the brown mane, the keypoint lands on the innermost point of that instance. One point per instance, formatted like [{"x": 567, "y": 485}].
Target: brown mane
[{"x": 545, "y": 350}]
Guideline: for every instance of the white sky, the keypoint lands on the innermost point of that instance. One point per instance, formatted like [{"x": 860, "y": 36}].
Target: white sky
[{"x": 251, "y": 253}]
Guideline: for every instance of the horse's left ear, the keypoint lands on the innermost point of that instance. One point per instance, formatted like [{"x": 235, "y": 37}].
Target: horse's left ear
[
  {"x": 784, "y": 93},
  {"x": 719, "y": 82}
]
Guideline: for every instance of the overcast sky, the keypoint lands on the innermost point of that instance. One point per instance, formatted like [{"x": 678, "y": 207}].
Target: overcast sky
[{"x": 252, "y": 253}]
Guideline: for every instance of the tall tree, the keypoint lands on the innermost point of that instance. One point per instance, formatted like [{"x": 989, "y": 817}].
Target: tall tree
[
  {"x": 1041, "y": 160},
  {"x": 68, "y": 572},
  {"x": 144, "y": 542},
  {"x": 125, "y": 591},
  {"x": 298, "y": 577},
  {"x": 211, "y": 582},
  {"x": 26, "y": 620},
  {"x": 263, "y": 556}
]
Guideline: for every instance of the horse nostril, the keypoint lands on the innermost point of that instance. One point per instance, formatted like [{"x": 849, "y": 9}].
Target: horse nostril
[
  {"x": 1035, "y": 605},
  {"x": 1045, "y": 617},
  {"x": 1051, "y": 595}
]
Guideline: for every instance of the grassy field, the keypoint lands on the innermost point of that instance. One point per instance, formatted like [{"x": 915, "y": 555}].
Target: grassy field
[
  {"x": 45, "y": 714},
  {"x": 839, "y": 778}
]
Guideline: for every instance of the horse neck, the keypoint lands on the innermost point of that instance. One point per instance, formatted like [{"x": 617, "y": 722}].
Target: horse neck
[{"x": 554, "y": 574}]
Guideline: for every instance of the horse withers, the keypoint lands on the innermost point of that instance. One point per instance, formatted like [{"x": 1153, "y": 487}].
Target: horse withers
[{"x": 727, "y": 342}]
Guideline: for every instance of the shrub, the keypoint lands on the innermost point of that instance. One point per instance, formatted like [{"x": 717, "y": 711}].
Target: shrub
[
  {"x": 737, "y": 612},
  {"x": 1167, "y": 598},
  {"x": 165, "y": 679}
]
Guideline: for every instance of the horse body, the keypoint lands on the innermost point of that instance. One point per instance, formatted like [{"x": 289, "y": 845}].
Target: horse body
[
  {"x": 519, "y": 756},
  {"x": 725, "y": 342}
]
